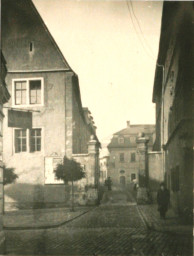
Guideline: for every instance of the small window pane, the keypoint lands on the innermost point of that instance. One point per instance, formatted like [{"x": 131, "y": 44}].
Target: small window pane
[
  {"x": 33, "y": 100},
  {"x": 17, "y": 85},
  {"x": 20, "y": 93},
  {"x": 32, "y": 132},
  {"x": 17, "y": 133},
  {"x": 23, "y": 97},
  {"x": 38, "y": 132},
  {"x": 35, "y": 92},
  {"x": 23, "y": 85},
  {"x": 38, "y": 147},
  {"x": 18, "y": 99},
  {"x": 23, "y": 132}
]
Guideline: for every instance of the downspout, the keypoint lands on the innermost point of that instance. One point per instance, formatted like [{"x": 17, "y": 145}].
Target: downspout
[{"x": 162, "y": 139}]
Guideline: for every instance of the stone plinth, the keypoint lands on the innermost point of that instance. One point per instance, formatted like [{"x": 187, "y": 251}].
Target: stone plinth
[{"x": 142, "y": 193}]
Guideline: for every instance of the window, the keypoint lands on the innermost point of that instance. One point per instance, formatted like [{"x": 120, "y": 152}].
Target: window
[
  {"x": 133, "y": 157},
  {"x": 28, "y": 140},
  {"x": 122, "y": 171},
  {"x": 20, "y": 93},
  {"x": 35, "y": 140},
  {"x": 20, "y": 140},
  {"x": 133, "y": 176},
  {"x": 121, "y": 140},
  {"x": 35, "y": 92},
  {"x": 122, "y": 157},
  {"x": 28, "y": 91}
]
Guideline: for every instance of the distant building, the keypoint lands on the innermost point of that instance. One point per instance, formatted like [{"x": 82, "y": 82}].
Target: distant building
[
  {"x": 4, "y": 97},
  {"x": 123, "y": 165},
  {"x": 40, "y": 80},
  {"x": 173, "y": 96},
  {"x": 103, "y": 169}
]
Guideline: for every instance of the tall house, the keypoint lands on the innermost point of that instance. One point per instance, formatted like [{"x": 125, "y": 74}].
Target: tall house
[
  {"x": 123, "y": 165},
  {"x": 173, "y": 96},
  {"x": 41, "y": 81}
]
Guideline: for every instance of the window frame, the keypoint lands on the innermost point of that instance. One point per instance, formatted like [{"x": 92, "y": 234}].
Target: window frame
[
  {"x": 27, "y": 80},
  {"x": 28, "y": 141},
  {"x": 26, "y": 137},
  {"x": 123, "y": 154},
  {"x": 36, "y": 137},
  {"x": 131, "y": 160}
]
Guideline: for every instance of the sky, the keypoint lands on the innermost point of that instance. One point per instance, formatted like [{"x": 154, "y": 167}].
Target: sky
[{"x": 112, "y": 46}]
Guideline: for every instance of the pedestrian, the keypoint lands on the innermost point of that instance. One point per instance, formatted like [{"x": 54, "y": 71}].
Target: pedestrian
[
  {"x": 163, "y": 199},
  {"x": 108, "y": 183}
]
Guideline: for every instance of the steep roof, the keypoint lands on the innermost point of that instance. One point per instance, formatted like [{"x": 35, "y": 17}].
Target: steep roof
[
  {"x": 22, "y": 25},
  {"x": 135, "y": 129},
  {"x": 132, "y": 131}
]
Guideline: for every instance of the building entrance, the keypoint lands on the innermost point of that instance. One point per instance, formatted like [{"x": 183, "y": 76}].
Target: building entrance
[{"x": 122, "y": 180}]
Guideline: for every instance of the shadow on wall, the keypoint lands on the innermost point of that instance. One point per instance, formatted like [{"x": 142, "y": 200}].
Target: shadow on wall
[{"x": 29, "y": 196}]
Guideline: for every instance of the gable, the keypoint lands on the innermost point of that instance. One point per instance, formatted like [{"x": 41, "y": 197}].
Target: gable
[{"x": 26, "y": 42}]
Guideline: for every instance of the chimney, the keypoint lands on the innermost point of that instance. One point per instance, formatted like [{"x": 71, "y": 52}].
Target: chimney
[{"x": 128, "y": 124}]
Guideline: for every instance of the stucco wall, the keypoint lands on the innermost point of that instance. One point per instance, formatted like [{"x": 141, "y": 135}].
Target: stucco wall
[
  {"x": 81, "y": 130},
  {"x": 179, "y": 158},
  {"x": 30, "y": 166},
  {"x": 50, "y": 119},
  {"x": 155, "y": 172},
  {"x": 115, "y": 166}
]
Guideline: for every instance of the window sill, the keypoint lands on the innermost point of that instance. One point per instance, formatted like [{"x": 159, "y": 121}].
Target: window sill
[
  {"x": 28, "y": 106},
  {"x": 29, "y": 153}
]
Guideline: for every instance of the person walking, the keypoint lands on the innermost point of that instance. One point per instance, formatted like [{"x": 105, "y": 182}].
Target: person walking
[
  {"x": 108, "y": 183},
  {"x": 163, "y": 199}
]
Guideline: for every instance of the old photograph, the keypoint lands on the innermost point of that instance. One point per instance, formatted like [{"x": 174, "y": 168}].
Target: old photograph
[{"x": 96, "y": 127}]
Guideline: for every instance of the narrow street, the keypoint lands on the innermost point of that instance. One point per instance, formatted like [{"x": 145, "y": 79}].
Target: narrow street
[{"x": 110, "y": 229}]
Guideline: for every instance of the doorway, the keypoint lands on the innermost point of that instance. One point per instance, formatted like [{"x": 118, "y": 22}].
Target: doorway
[{"x": 122, "y": 180}]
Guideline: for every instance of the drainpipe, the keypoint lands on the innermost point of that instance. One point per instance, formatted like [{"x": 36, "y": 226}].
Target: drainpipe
[{"x": 162, "y": 139}]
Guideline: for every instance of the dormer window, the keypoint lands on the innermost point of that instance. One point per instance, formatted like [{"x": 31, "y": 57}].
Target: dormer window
[{"x": 120, "y": 140}]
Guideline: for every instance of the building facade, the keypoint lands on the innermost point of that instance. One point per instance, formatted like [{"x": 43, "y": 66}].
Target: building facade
[
  {"x": 41, "y": 81},
  {"x": 4, "y": 97},
  {"x": 103, "y": 168},
  {"x": 173, "y": 96},
  {"x": 123, "y": 165}
]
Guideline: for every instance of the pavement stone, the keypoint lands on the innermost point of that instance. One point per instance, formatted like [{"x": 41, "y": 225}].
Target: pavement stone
[
  {"x": 106, "y": 230},
  {"x": 172, "y": 223},
  {"x": 41, "y": 218}
]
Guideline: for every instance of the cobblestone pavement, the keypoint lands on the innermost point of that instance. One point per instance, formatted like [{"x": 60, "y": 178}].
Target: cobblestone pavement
[{"x": 106, "y": 230}]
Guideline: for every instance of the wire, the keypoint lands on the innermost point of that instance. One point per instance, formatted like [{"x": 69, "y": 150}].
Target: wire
[
  {"x": 140, "y": 28},
  {"x": 131, "y": 17}
]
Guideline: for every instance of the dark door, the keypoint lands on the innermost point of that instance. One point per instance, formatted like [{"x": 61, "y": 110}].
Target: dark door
[{"x": 122, "y": 180}]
